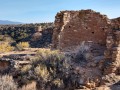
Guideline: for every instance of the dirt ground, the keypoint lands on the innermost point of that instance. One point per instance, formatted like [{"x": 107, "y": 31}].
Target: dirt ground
[{"x": 25, "y": 51}]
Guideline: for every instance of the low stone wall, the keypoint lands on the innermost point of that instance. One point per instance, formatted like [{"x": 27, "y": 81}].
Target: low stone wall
[{"x": 4, "y": 65}]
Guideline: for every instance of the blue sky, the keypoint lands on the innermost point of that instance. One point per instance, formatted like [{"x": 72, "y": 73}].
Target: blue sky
[{"x": 32, "y": 11}]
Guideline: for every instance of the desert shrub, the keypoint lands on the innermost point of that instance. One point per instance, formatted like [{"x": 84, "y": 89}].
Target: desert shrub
[
  {"x": 58, "y": 82},
  {"x": 7, "y": 83},
  {"x": 81, "y": 53},
  {"x": 23, "y": 44},
  {"x": 42, "y": 72},
  {"x": 35, "y": 59},
  {"x": 1, "y": 37},
  {"x": 53, "y": 60},
  {"x": 19, "y": 47},
  {"x": 44, "y": 55},
  {"x": 30, "y": 86},
  {"x": 7, "y": 38},
  {"x": 48, "y": 67},
  {"x": 6, "y": 47},
  {"x": 51, "y": 54},
  {"x": 25, "y": 68}
]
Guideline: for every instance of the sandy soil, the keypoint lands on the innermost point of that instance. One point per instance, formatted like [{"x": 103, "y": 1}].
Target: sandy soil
[{"x": 25, "y": 51}]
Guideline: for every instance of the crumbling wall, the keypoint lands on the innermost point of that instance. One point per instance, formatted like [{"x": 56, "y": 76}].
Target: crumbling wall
[
  {"x": 87, "y": 28},
  {"x": 112, "y": 54},
  {"x": 74, "y": 27},
  {"x": 4, "y": 65}
]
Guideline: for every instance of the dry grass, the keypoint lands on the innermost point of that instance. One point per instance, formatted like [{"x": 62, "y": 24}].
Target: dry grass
[
  {"x": 58, "y": 82},
  {"x": 24, "y": 44},
  {"x": 81, "y": 53},
  {"x": 47, "y": 54},
  {"x": 30, "y": 86},
  {"x": 7, "y": 83},
  {"x": 5, "y": 47},
  {"x": 46, "y": 68},
  {"x": 25, "y": 68},
  {"x": 46, "y": 65},
  {"x": 41, "y": 71}
]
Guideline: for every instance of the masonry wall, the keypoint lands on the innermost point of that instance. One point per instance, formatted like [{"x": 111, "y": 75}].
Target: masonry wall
[
  {"x": 112, "y": 53},
  {"x": 74, "y": 27},
  {"x": 4, "y": 65}
]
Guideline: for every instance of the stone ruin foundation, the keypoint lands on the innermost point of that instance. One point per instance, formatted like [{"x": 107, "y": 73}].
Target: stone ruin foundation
[
  {"x": 97, "y": 38},
  {"x": 4, "y": 65}
]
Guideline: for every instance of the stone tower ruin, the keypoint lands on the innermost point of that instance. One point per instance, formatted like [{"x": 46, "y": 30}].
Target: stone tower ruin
[{"x": 73, "y": 28}]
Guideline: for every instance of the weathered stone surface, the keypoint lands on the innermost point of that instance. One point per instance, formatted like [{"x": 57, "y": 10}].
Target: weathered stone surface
[
  {"x": 74, "y": 27},
  {"x": 4, "y": 65},
  {"x": 101, "y": 38}
]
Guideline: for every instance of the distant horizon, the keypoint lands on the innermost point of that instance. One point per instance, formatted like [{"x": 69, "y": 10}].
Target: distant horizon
[
  {"x": 28, "y": 11},
  {"x": 25, "y": 22},
  {"x": 52, "y": 21},
  {"x": 7, "y": 22}
]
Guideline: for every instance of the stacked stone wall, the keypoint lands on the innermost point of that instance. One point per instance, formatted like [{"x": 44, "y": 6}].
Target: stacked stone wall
[{"x": 96, "y": 31}]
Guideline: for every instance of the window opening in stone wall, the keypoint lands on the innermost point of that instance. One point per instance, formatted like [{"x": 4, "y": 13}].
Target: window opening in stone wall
[
  {"x": 92, "y": 32},
  {"x": 103, "y": 29},
  {"x": 86, "y": 27}
]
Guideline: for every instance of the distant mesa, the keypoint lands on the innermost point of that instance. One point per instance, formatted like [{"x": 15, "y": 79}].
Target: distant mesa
[{"x": 6, "y": 22}]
